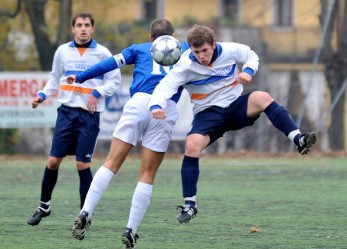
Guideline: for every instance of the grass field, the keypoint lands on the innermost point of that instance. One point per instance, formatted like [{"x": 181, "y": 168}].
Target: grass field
[{"x": 298, "y": 202}]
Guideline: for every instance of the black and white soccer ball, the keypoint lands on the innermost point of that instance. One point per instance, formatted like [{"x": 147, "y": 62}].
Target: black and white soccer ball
[{"x": 166, "y": 50}]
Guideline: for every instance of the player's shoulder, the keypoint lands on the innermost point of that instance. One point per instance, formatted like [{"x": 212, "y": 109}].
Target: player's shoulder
[
  {"x": 137, "y": 50},
  {"x": 63, "y": 47},
  {"x": 141, "y": 46}
]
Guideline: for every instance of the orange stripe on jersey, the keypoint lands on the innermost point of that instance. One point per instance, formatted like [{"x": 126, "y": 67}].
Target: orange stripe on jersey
[
  {"x": 81, "y": 50},
  {"x": 198, "y": 96},
  {"x": 76, "y": 89}
]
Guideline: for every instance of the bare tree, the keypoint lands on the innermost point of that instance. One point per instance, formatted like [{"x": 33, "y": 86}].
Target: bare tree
[
  {"x": 334, "y": 56},
  {"x": 35, "y": 9}
]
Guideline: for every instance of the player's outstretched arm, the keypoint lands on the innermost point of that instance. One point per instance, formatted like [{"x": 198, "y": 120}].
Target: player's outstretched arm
[{"x": 101, "y": 68}]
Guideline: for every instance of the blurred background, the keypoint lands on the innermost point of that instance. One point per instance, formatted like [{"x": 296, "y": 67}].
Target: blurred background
[{"x": 302, "y": 47}]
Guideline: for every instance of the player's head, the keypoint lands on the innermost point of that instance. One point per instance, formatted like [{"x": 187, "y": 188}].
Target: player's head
[
  {"x": 161, "y": 27},
  {"x": 82, "y": 27},
  {"x": 83, "y": 15},
  {"x": 202, "y": 42},
  {"x": 198, "y": 35}
]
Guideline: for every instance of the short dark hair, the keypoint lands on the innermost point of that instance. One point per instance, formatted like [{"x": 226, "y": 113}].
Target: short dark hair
[
  {"x": 83, "y": 15},
  {"x": 198, "y": 35},
  {"x": 161, "y": 27}
]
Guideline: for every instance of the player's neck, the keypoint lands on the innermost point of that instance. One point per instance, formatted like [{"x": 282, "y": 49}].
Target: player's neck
[{"x": 85, "y": 45}]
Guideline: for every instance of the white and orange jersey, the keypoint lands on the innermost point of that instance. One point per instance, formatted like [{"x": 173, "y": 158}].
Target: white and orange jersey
[
  {"x": 213, "y": 85},
  {"x": 69, "y": 59}
]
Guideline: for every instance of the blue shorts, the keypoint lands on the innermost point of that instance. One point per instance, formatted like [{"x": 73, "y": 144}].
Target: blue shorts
[
  {"x": 215, "y": 121},
  {"x": 75, "y": 133}
]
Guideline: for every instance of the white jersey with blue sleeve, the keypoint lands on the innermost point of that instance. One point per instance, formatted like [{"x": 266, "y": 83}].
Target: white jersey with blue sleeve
[
  {"x": 213, "y": 85},
  {"x": 68, "y": 59}
]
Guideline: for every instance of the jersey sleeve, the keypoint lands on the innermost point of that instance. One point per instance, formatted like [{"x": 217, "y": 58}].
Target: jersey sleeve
[
  {"x": 54, "y": 76},
  {"x": 167, "y": 87}
]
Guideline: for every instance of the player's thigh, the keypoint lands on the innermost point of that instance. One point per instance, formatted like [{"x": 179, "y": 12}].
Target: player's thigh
[
  {"x": 157, "y": 134},
  {"x": 236, "y": 114},
  {"x": 209, "y": 122},
  {"x": 63, "y": 135},
  {"x": 87, "y": 131},
  {"x": 131, "y": 124}
]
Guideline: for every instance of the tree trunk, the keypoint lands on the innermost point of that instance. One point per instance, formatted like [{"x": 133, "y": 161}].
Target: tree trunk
[
  {"x": 335, "y": 66},
  {"x": 335, "y": 78},
  {"x": 45, "y": 48},
  {"x": 36, "y": 13},
  {"x": 64, "y": 32}
]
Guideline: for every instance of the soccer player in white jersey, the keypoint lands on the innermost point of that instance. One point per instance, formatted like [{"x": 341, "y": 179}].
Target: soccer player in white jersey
[
  {"x": 77, "y": 124},
  {"x": 135, "y": 123},
  {"x": 214, "y": 74}
]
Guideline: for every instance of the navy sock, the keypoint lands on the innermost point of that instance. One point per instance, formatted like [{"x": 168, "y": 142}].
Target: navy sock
[
  {"x": 280, "y": 118},
  {"x": 49, "y": 180},
  {"x": 86, "y": 179},
  {"x": 190, "y": 176}
]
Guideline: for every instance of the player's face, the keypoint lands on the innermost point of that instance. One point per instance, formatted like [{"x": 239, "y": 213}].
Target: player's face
[
  {"x": 83, "y": 30},
  {"x": 204, "y": 53}
]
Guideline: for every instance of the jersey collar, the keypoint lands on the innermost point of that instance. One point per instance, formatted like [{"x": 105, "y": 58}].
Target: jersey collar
[
  {"x": 219, "y": 51},
  {"x": 92, "y": 44}
]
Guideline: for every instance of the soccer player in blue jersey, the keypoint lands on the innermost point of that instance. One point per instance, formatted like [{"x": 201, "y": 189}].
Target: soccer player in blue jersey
[
  {"x": 135, "y": 123},
  {"x": 214, "y": 74},
  {"x": 77, "y": 125}
]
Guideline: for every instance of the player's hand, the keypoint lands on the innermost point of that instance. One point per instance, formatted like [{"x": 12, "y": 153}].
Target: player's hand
[
  {"x": 92, "y": 103},
  {"x": 36, "y": 101},
  {"x": 158, "y": 114},
  {"x": 244, "y": 78},
  {"x": 71, "y": 79}
]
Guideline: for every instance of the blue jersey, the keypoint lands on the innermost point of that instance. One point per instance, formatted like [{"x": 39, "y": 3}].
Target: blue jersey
[{"x": 146, "y": 74}]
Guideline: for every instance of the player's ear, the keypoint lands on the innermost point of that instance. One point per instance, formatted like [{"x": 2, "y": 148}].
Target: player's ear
[{"x": 150, "y": 38}]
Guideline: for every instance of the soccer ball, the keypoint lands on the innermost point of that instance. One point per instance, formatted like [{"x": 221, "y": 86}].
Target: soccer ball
[{"x": 166, "y": 50}]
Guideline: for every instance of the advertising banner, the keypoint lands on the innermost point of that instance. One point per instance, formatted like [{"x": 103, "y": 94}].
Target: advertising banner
[{"x": 17, "y": 89}]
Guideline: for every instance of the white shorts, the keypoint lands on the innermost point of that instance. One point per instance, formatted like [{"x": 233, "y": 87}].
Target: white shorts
[{"x": 137, "y": 123}]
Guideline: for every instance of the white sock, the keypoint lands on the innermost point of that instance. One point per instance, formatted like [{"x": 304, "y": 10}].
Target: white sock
[
  {"x": 140, "y": 202},
  {"x": 292, "y": 134},
  {"x": 101, "y": 180},
  {"x": 48, "y": 204}
]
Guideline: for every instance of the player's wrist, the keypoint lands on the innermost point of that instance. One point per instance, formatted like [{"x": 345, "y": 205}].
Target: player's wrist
[
  {"x": 249, "y": 70},
  {"x": 42, "y": 96},
  {"x": 155, "y": 107},
  {"x": 96, "y": 94}
]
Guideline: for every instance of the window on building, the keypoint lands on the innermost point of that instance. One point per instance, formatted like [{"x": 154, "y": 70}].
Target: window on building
[
  {"x": 283, "y": 13},
  {"x": 230, "y": 11},
  {"x": 230, "y": 8},
  {"x": 150, "y": 9}
]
